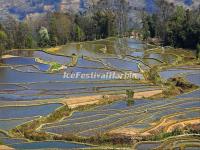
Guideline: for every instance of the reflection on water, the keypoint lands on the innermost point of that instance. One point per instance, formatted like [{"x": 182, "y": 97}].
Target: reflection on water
[
  {"x": 25, "y": 64},
  {"x": 9, "y": 75},
  {"x": 147, "y": 146},
  {"x": 101, "y": 47},
  {"x": 163, "y": 57},
  {"x": 175, "y": 72},
  {"x": 50, "y": 145},
  {"x": 10, "y": 124},
  {"x": 52, "y": 58},
  {"x": 122, "y": 64},
  {"x": 111, "y": 52},
  {"x": 29, "y": 111}
]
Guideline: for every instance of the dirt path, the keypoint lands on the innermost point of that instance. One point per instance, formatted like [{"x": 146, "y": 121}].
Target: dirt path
[
  {"x": 88, "y": 100},
  {"x": 4, "y": 147},
  {"x": 8, "y": 56},
  {"x": 73, "y": 102},
  {"x": 147, "y": 94}
]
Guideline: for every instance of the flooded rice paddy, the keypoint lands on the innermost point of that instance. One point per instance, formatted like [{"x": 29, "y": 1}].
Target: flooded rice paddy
[{"x": 29, "y": 90}]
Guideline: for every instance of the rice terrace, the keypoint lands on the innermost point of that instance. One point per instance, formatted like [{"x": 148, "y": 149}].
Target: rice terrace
[{"x": 93, "y": 80}]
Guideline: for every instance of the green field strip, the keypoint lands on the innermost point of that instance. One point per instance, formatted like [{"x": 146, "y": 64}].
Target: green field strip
[
  {"x": 191, "y": 146},
  {"x": 160, "y": 61},
  {"x": 168, "y": 143},
  {"x": 180, "y": 142},
  {"x": 157, "y": 143},
  {"x": 186, "y": 68}
]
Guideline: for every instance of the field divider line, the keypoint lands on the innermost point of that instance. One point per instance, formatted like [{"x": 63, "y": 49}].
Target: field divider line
[
  {"x": 160, "y": 121},
  {"x": 161, "y": 141},
  {"x": 99, "y": 127},
  {"x": 167, "y": 128},
  {"x": 13, "y": 119},
  {"x": 168, "y": 140},
  {"x": 113, "y": 115},
  {"x": 102, "y": 119}
]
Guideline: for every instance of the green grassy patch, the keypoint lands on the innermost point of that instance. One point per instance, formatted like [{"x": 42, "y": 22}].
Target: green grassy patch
[
  {"x": 54, "y": 66},
  {"x": 153, "y": 75},
  {"x": 163, "y": 135},
  {"x": 178, "y": 85}
]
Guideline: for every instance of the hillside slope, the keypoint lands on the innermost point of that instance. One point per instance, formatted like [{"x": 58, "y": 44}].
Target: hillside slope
[{"x": 22, "y": 8}]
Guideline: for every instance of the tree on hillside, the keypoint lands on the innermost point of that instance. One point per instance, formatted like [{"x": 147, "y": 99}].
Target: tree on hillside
[
  {"x": 176, "y": 27},
  {"x": 175, "y": 33},
  {"x": 163, "y": 12},
  {"x": 79, "y": 34},
  {"x": 43, "y": 37},
  {"x": 10, "y": 25},
  {"x": 60, "y": 27},
  {"x": 145, "y": 28},
  {"x": 88, "y": 25},
  {"x": 3, "y": 41},
  {"x": 24, "y": 38}
]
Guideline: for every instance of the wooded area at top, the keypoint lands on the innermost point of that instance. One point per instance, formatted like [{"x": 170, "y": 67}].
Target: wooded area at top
[{"x": 172, "y": 24}]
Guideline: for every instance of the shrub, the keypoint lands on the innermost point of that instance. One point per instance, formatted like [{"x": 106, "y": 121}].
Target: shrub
[
  {"x": 163, "y": 135},
  {"x": 130, "y": 100},
  {"x": 55, "y": 66},
  {"x": 181, "y": 82},
  {"x": 153, "y": 75},
  {"x": 130, "y": 94},
  {"x": 177, "y": 85},
  {"x": 58, "y": 114}
]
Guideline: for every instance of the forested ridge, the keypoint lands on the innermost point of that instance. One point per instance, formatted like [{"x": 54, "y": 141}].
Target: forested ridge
[{"x": 172, "y": 25}]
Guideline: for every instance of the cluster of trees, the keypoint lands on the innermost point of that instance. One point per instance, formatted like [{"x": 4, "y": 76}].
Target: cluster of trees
[
  {"x": 3, "y": 39},
  {"x": 174, "y": 25},
  {"x": 15, "y": 34},
  {"x": 58, "y": 28}
]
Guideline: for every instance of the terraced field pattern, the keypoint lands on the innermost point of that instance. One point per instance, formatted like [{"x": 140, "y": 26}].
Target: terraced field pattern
[{"x": 33, "y": 88}]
